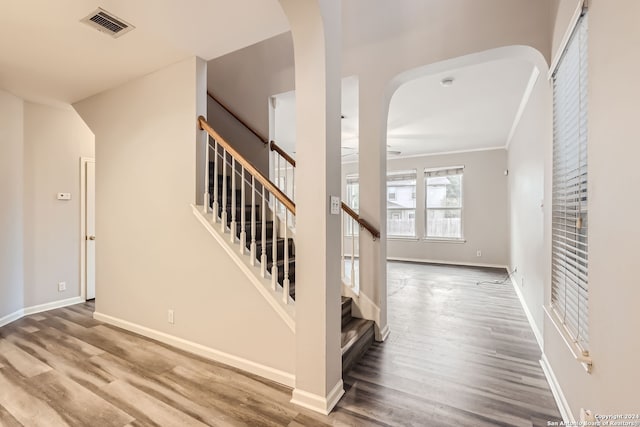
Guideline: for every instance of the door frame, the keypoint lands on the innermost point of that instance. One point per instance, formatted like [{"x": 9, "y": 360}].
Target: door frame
[{"x": 83, "y": 225}]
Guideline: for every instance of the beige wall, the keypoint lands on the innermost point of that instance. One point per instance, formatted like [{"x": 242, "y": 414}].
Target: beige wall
[
  {"x": 11, "y": 209},
  {"x": 40, "y": 235},
  {"x": 614, "y": 317},
  {"x": 529, "y": 202},
  {"x": 152, "y": 253},
  {"x": 244, "y": 80},
  {"x": 484, "y": 214},
  {"x": 54, "y": 141}
]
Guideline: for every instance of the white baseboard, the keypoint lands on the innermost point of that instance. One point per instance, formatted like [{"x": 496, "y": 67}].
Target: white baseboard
[
  {"x": 556, "y": 390},
  {"x": 39, "y": 309},
  {"x": 11, "y": 317},
  {"x": 383, "y": 334},
  {"x": 436, "y": 261},
  {"x": 314, "y": 402},
  {"x": 52, "y": 305},
  {"x": 527, "y": 312},
  {"x": 272, "y": 374}
]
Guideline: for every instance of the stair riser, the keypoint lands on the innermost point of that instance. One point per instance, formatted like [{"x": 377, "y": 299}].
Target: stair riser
[
  {"x": 269, "y": 249},
  {"x": 355, "y": 353},
  {"x": 346, "y": 312}
]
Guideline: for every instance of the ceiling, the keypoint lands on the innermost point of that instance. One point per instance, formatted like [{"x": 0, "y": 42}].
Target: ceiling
[
  {"x": 48, "y": 56},
  {"x": 476, "y": 112}
]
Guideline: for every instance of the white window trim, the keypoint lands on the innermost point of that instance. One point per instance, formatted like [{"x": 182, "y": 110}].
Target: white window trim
[
  {"x": 415, "y": 209},
  {"x": 434, "y": 239}
]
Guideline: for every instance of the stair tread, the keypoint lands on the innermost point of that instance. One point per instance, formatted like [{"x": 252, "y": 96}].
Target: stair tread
[{"x": 354, "y": 330}]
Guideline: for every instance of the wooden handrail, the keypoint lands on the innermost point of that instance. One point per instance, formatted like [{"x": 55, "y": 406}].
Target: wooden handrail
[
  {"x": 363, "y": 223},
  {"x": 264, "y": 140},
  {"x": 268, "y": 185},
  {"x": 275, "y": 147}
]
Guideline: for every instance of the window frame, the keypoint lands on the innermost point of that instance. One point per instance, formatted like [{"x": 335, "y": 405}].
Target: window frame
[
  {"x": 400, "y": 173},
  {"x": 569, "y": 290},
  {"x": 447, "y": 171}
]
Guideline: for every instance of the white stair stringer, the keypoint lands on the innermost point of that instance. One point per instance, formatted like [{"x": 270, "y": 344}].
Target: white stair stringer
[{"x": 243, "y": 261}]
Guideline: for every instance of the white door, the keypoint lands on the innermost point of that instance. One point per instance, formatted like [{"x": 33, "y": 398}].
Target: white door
[{"x": 90, "y": 210}]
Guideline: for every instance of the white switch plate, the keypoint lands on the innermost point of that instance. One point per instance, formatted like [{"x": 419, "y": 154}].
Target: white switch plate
[
  {"x": 64, "y": 196},
  {"x": 170, "y": 317},
  {"x": 335, "y": 205}
]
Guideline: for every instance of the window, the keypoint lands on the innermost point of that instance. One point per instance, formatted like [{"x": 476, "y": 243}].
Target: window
[
  {"x": 401, "y": 204},
  {"x": 353, "y": 200},
  {"x": 569, "y": 260},
  {"x": 443, "y": 199}
]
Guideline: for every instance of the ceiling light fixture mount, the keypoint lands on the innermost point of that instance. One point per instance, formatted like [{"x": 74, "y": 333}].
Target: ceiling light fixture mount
[{"x": 447, "y": 81}]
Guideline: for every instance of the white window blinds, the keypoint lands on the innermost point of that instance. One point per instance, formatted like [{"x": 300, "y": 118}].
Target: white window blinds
[{"x": 569, "y": 281}]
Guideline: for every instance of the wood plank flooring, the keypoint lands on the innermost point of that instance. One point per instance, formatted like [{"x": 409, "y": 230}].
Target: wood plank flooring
[{"x": 459, "y": 354}]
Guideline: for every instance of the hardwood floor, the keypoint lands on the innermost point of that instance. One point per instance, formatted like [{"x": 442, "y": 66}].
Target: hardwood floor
[{"x": 459, "y": 354}]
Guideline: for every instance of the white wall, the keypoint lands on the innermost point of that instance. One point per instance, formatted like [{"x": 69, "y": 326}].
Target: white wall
[
  {"x": 614, "y": 317},
  {"x": 529, "y": 203},
  {"x": 152, "y": 253},
  {"x": 54, "y": 141},
  {"x": 244, "y": 80},
  {"x": 11, "y": 209},
  {"x": 484, "y": 209}
]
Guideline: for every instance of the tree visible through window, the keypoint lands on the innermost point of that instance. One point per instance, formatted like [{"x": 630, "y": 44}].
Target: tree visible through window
[{"x": 443, "y": 188}]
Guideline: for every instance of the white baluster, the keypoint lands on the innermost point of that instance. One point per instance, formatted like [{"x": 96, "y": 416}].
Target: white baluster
[
  {"x": 232, "y": 234},
  {"x": 215, "y": 181},
  {"x": 206, "y": 178},
  {"x": 342, "y": 236},
  {"x": 293, "y": 184},
  {"x": 354, "y": 224},
  {"x": 285, "y": 281},
  {"x": 263, "y": 256},
  {"x": 223, "y": 196},
  {"x": 253, "y": 220},
  {"x": 285, "y": 188},
  {"x": 274, "y": 247},
  {"x": 243, "y": 216}
]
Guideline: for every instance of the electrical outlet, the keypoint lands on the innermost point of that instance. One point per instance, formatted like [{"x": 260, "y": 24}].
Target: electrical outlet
[
  {"x": 478, "y": 253},
  {"x": 170, "y": 317},
  {"x": 62, "y": 286}
]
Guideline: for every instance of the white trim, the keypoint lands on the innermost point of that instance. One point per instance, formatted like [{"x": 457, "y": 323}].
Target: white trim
[
  {"x": 16, "y": 315},
  {"x": 317, "y": 403},
  {"x": 527, "y": 312},
  {"x": 565, "y": 38},
  {"x": 382, "y": 334},
  {"x": 556, "y": 390},
  {"x": 576, "y": 352},
  {"x": 270, "y": 373},
  {"x": 274, "y": 298},
  {"x": 443, "y": 240},
  {"x": 444, "y": 153},
  {"x": 11, "y": 317},
  {"x": 83, "y": 224},
  {"x": 535, "y": 73},
  {"x": 52, "y": 305},
  {"x": 365, "y": 308},
  {"x": 435, "y": 261},
  {"x": 403, "y": 239}
]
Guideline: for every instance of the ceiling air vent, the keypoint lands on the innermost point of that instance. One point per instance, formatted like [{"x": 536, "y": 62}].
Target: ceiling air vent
[{"x": 107, "y": 23}]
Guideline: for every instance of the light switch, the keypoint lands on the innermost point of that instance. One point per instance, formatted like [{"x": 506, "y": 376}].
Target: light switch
[
  {"x": 335, "y": 205},
  {"x": 64, "y": 196}
]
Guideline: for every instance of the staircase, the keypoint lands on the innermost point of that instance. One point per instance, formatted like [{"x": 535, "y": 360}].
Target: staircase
[
  {"x": 247, "y": 212},
  {"x": 357, "y": 336},
  {"x": 226, "y": 203}
]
